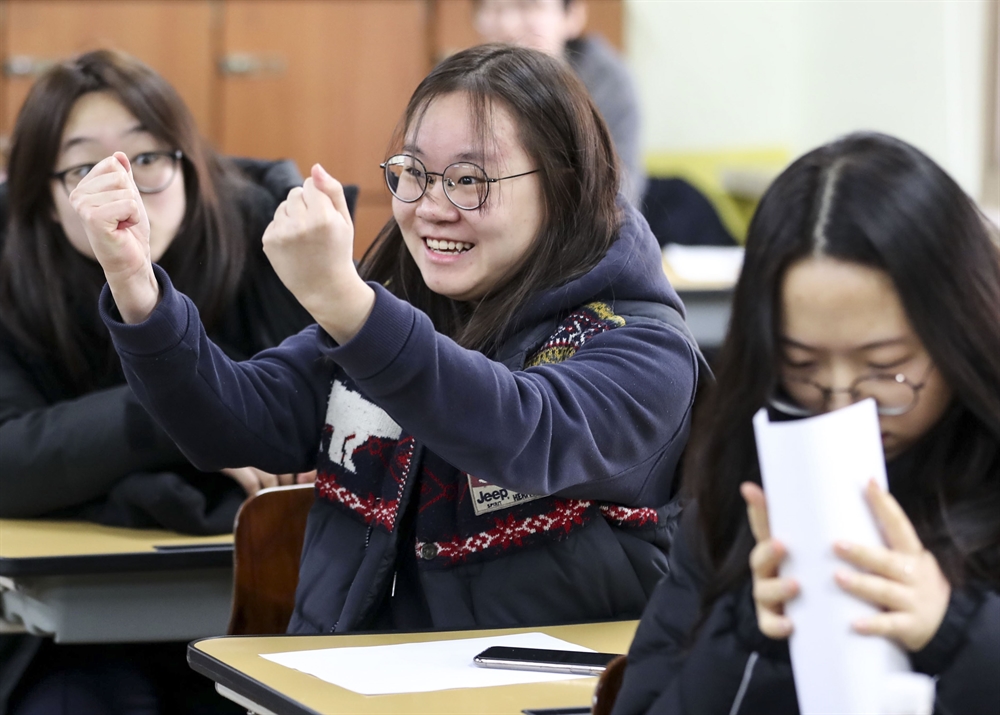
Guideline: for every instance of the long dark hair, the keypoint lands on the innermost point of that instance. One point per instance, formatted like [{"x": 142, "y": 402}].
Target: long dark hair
[
  {"x": 48, "y": 290},
  {"x": 875, "y": 201},
  {"x": 562, "y": 131}
]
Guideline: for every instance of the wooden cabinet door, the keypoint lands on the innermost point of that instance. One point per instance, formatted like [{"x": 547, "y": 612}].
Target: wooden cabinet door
[
  {"x": 453, "y": 25},
  {"x": 172, "y": 36},
  {"x": 322, "y": 81}
]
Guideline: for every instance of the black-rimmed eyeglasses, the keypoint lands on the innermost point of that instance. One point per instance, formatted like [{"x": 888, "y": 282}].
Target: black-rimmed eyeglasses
[
  {"x": 466, "y": 185},
  {"x": 152, "y": 171},
  {"x": 893, "y": 394}
]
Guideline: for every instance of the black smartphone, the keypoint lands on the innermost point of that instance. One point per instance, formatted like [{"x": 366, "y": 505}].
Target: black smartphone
[{"x": 545, "y": 660}]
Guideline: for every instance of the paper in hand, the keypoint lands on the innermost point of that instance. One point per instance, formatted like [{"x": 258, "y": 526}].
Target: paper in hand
[{"x": 814, "y": 473}]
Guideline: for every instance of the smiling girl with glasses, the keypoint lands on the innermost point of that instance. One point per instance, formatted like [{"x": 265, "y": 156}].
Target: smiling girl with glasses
[
  {"x": 868, "y": 273},
  {"x": 498, "y": 399}
]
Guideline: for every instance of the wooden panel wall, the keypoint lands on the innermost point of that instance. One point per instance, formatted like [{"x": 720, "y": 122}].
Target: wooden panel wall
[
  {"x": 311, "y": 80},
  {"x": 174, "y": 36},
  {"x": 332, "y": 80}
]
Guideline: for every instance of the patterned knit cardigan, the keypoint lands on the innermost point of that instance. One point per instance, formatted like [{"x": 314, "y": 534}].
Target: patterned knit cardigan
[{"x": 366, "y": 461}]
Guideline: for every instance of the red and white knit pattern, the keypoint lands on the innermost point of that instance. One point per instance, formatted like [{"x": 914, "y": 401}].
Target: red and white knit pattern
[
  {"x": 372, "y": 508},
  {"x": 509, "y": 531},
  {"x": 630, "y": 516}
]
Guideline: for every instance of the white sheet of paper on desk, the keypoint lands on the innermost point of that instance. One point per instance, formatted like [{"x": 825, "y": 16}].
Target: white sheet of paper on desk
[
  {"x": 421, "y": 667},
  {"x": 814, "y": 473},
  {"x": 705, "y": 264}
]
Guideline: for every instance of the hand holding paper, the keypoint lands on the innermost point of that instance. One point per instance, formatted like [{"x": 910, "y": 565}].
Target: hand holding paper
[
  {"x": 905, "y": 579},
  {"x": 815, "y": 473},
  {"x": 770, "y": 593}
]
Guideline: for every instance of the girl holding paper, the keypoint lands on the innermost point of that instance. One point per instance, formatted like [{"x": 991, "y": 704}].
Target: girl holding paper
[{"x": 868, "y": 273}]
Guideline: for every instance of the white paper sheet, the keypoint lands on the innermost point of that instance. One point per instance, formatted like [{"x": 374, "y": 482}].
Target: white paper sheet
[
  {"x": 814, "y": 473},
  {"x": 705, "y": 264},
  {"x": 421, "y": 667}
]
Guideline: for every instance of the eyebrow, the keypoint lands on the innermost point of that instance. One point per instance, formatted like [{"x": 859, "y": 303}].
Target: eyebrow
[
  {"x": 867, "y": 346},
  {"x": 476, "y": 157},
  {"x": 77, "y": 141}
]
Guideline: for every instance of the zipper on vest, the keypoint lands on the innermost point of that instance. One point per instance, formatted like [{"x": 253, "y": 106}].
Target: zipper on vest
[{"x": 368, "y": 534}]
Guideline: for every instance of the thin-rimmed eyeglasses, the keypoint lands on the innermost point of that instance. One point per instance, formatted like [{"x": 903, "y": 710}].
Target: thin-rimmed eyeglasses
[
  {"x": 466, "y": 185},
  {"x": 893, "y": 394}
]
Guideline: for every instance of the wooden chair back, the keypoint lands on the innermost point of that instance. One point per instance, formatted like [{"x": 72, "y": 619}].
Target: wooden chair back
[
  {"x": 608, "y": 685},
  {"x": 268, "y": 535}
]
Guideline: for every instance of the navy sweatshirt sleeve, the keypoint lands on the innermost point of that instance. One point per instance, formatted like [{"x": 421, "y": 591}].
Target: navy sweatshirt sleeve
[
  {"x": 609, "y": 423},
  {"x": 266, "y": 412}
]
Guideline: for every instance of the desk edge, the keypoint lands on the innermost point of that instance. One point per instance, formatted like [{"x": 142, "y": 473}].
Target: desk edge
[
  {"x": 76, "y": 565},
  {"x": 218, "y": 672}
]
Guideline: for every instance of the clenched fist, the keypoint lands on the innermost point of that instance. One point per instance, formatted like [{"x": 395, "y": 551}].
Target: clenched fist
[
  {"x": 114, "y": 218},
  {"x": 310, "y": 243}
]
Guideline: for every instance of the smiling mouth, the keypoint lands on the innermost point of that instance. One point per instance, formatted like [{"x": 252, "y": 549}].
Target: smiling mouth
[{"x": 451, "y": 248}]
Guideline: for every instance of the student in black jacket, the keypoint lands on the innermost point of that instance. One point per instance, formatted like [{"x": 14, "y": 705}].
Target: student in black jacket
[
  {"x": 73, "y": 440},
  {"x": 868, "y": 273}
]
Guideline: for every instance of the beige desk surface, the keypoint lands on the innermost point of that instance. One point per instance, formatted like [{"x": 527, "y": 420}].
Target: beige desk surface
[
  {"x": 683, "y": 284},
  {"x": 235, "y": 662},
  {"x": 42, "y": 538}
]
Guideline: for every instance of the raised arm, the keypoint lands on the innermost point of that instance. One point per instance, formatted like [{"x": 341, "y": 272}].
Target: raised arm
[
  {"x": 609, "y": 423},
  {"x": 220, "y": 413}
]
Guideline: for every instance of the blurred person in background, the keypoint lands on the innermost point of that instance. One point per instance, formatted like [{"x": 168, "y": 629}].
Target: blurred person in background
[{"x": 557, "y": 28}]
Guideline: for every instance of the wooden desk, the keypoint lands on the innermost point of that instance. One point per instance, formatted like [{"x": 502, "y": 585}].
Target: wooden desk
[
  {"x": 707, "y": 306},
  {"x": 83, "y": 583},
  {"x": 234, "y": 663}
]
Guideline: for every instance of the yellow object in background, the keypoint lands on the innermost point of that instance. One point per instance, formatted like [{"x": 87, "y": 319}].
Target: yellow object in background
[{"x": 733, "y": 180}]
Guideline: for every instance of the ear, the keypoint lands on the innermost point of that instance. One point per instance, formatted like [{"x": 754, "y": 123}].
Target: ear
[{"x": 576, "y": 19}]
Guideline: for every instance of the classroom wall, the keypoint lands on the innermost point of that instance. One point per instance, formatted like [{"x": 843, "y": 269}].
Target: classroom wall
[{"x": 718, "y": 74}]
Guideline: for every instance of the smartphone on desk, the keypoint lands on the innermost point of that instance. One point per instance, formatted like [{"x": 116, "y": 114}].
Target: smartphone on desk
[{"x": 545, "y": 660}]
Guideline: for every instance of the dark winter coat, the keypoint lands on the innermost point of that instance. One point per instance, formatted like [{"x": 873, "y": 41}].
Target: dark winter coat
[
  {"x": 731, "y": 668},
  {"x": 99, "y": 455},
  {"x": 573, "y": 429}
]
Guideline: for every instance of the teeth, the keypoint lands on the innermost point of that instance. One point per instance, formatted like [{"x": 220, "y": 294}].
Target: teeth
[{"x": 448, "y": 246}]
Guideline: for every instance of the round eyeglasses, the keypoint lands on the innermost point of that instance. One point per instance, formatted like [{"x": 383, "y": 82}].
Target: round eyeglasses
[
  {"x": 152, "y": 171},
  {"x": 466, "y": 185},
  {"x": 893, "y": 394}
]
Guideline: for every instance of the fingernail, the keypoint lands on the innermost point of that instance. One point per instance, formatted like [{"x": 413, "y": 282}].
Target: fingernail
[
  {"x": 842, "y": 577},
  {"x": 862, "y": 625},
  {"x": 842, "y": 547}
]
